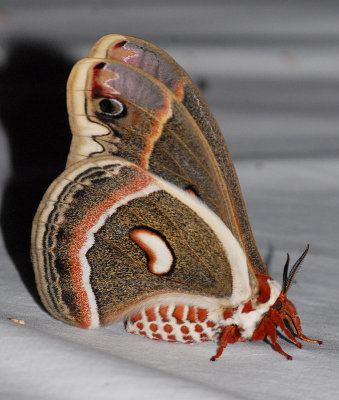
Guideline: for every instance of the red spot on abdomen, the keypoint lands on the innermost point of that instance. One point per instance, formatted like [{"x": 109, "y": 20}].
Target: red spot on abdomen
[
  {"x": 204, "y": 337},
  {"x": 150, "y": 314},
  {"x": 191, "y": 314},
  {"x": 185, "y": 330},
  {"x": 153, "y": 327},
  {"x": 168, "y": 328},
  {"x": 163, "y": 313},
  {"x": 157, "y": 336},
  {"x": 179, "y": 314},
  {"x": 202, "y": 314},
  {"x": 136, "y": 317}
]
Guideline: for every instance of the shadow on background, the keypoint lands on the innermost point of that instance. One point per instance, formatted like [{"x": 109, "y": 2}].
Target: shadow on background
[{"x": 34, "y": 115}]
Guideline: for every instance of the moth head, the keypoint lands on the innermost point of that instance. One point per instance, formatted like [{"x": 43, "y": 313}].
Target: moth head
[{"x": 284, "y": 307}]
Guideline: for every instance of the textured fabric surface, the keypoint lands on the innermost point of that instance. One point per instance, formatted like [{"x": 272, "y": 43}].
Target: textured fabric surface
[{"x": 271, "y": 76}]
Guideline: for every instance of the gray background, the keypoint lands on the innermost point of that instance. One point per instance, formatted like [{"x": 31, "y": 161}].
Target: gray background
[{"x": 270, "y": 72}]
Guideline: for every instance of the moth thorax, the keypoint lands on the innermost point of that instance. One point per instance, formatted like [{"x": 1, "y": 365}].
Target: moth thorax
[
  {"x": 175, "y": 323},
  {"x": 247, "y": 316}
]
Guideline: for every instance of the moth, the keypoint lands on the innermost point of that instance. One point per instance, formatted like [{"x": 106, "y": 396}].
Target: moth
[{"x": 147, "y": 223}]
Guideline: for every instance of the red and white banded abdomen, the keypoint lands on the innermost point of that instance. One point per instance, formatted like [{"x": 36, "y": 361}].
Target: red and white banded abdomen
[
  {"x": 175, "y": 323},
  {"x": 188, "y": 324}
]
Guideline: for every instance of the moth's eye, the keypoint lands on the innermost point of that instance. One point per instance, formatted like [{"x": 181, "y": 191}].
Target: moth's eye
[
  {"x": 278, "y": 306},
  {"x": 111, "y": 107}
]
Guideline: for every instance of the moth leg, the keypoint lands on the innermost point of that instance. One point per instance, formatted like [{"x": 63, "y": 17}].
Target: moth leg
[
  {"x": 229, "y": 334},
  {"x": 297, "y": 329},
  {"x": 260, "y": 332},
  {"x": 277, "y": 319},
  {"x": 303, "y": 337},
  {"x": 272, "y": 335},
  {"x": 292, "y": 338},
  {"x": 298, "y": 333}
]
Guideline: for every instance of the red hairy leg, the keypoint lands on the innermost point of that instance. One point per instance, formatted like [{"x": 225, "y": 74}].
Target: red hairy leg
[
  {"x": 268, "y": 329},
  {"x": 303, "y": 337},
  {"x": 297, "y": 329},
  {"x": 271, "y": 333},
  {"x": 259, "y": 333},
  {"x": 229, "y": 334}
]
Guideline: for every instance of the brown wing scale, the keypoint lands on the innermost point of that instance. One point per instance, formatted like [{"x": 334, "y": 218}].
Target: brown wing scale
[
  {"x": 156, "y": 62},
  {"x": 81, "y": 244}
]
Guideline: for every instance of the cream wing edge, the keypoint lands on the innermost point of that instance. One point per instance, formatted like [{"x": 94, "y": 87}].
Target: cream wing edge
[{"x": 82, "y": 128}]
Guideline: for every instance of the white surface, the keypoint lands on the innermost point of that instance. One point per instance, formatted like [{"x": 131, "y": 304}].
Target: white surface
[
  {"x": 281, "y": 121},
  {"x": 49, "y": 360}
]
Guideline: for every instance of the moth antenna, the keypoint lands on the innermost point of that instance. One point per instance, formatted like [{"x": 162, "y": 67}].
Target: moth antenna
[
  {"x": 295, "y": 268},
  {"x": 284, "y": 282}
]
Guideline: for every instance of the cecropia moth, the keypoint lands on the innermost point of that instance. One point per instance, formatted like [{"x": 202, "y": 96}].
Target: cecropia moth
[{"x": 147, "y": 223}]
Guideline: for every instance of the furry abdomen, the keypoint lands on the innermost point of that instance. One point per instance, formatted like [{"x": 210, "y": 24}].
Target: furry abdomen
[
  {"x": 176, "y": 323},
  {"x": 190, "y": 323}
]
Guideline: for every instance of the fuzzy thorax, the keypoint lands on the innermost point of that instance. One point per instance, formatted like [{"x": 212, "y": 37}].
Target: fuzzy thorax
[{"x": 247, "y": 321}]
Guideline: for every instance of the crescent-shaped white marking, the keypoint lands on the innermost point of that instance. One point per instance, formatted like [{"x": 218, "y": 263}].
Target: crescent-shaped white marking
[{"x": 159, "y": 254}]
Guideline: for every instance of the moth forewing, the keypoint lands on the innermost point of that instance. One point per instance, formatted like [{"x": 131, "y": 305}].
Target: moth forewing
[{"x": 156, "y": 62}]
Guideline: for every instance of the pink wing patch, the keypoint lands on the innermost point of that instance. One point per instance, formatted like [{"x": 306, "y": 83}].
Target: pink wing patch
[{"x": 159, "y": 253}]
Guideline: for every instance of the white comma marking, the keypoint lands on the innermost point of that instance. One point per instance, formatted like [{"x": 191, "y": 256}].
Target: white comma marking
[{"x": 160, "y": 256}]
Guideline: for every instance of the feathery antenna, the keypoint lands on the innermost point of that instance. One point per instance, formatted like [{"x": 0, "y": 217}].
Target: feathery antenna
[{"x": 287, "y": 282}]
